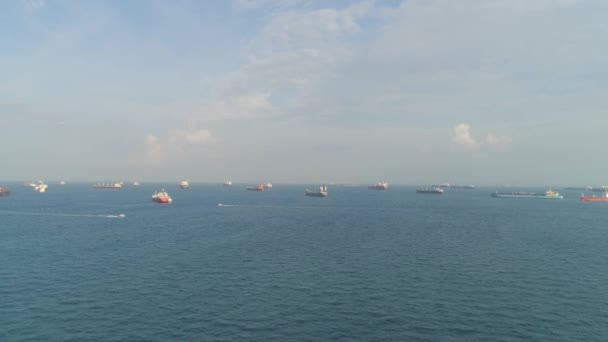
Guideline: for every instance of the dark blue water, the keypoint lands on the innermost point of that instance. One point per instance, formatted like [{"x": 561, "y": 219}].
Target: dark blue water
[{"x": 359, "y": 265}]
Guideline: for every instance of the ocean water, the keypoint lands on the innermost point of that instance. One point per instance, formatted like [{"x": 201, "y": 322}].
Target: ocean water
[{"x": 359, "y": 265}]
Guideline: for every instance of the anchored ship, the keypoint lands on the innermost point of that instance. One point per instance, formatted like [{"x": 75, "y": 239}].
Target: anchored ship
[
  {"x": 550, "y": 194},
  {"x": 116, "y": 185},
  {"x": 256, "y": 188},
  {"x": 430, "y": 190},
  {"x": 593, "y": 198},
  {"x": 379, "y": 186},
  {"x": 184, "y": 184},
  {"x": 455, "y": 186},
  {"x": 322, "y": 192},
  {"x": 228, "y": 183},
  {"x": 5, "y": 192},
  {"x": 162, "y": 197}
]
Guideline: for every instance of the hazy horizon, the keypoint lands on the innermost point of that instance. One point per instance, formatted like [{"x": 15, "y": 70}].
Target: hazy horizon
[
  {"x": 244, "y": 183},
  {"x": 410, "y": 92}
]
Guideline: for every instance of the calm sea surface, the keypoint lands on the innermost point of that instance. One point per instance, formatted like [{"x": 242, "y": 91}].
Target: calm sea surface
[{"x": 359, "y": 265}]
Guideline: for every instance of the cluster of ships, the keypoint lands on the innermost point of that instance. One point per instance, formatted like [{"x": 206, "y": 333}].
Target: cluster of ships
[{"x": 164, "y": 198}]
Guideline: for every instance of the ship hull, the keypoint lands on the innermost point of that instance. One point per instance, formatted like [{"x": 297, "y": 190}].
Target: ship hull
[
  {"x": 162, "y": 200},
  {"x": 532, "y": 196},
  {"x": 315, "y": 194},
  {"x": 429, "y": 192},
  {"x": 594, "y": 199},
  {"x": 374, "y": 187}
]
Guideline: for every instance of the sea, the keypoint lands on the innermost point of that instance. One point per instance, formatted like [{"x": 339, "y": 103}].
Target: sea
[{"x": 226, "y": 264}]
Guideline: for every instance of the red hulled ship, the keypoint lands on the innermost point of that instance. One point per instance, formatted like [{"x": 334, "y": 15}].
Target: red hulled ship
[
  {"x": 162, "y": 197},
  {"x": 593, "y": 198}
]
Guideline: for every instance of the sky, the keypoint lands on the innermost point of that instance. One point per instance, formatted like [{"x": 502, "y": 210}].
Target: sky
[{"x": 305, "y": 91}]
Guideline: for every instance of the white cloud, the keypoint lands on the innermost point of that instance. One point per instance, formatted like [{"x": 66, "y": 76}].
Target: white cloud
[
  {"x": 33, "y": 5},
  {"x": 308, "y": 29},
  {"x": 462, "y": 137}
]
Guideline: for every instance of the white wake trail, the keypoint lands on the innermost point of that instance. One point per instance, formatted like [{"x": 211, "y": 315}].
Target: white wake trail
[{"x": 27, "y": 213}]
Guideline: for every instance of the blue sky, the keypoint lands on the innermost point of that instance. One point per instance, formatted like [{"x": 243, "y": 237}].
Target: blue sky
[{"x": 414, "y": 92}]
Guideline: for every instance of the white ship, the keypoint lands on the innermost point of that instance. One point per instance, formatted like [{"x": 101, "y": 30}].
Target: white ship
[
  {"x": 40, "y": 187},
  {"x": 322, "y": 192}
]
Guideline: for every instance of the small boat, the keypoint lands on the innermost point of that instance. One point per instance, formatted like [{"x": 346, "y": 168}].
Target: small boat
[
  {"x": 116, "y": 185},
  {"x": 61, "y": 182},
  {"x": 162, "y": 197},
  {"x": 184, "y": 184},
  {"x": 136, "y": 183},
  {"x": 593, "y": 198},
  {"x": 322, "y": 192},
  {"x": 430, "y": 190},
  {"x": 40, "y": 187},
  {"x": 256, "y": 188},
  {"x": 268, "y": 186},
  {"x": 379, "y": 186},
  {"x": 550, "y": 194},
  {"x": 5, "y": 192},
  {"x": 228, "y": 183}
]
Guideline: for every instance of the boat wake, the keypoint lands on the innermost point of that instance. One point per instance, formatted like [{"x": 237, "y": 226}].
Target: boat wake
[
  {"x": 26, "y": 213},
  {"x": 269, "y": 206}
]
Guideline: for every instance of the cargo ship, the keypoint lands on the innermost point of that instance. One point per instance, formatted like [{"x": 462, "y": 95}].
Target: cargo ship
[
  {"x": 467, "y": 186},
  {"x": 379, "y": 186},
  {"x": 256, "y": 188},
  {"x": 593, "y": 198},
  {"x": 430, "y": 190},
  {"x": 116, "y": 185},
  {"x": 184, "y": 184},
  {"x": 5, "y": 192},
  {"x": 322, "y": 192},
  {"x": 455, "y": 186},
  {"x": 550, "y": 194},
  {"x": 162, "y": 197}
]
